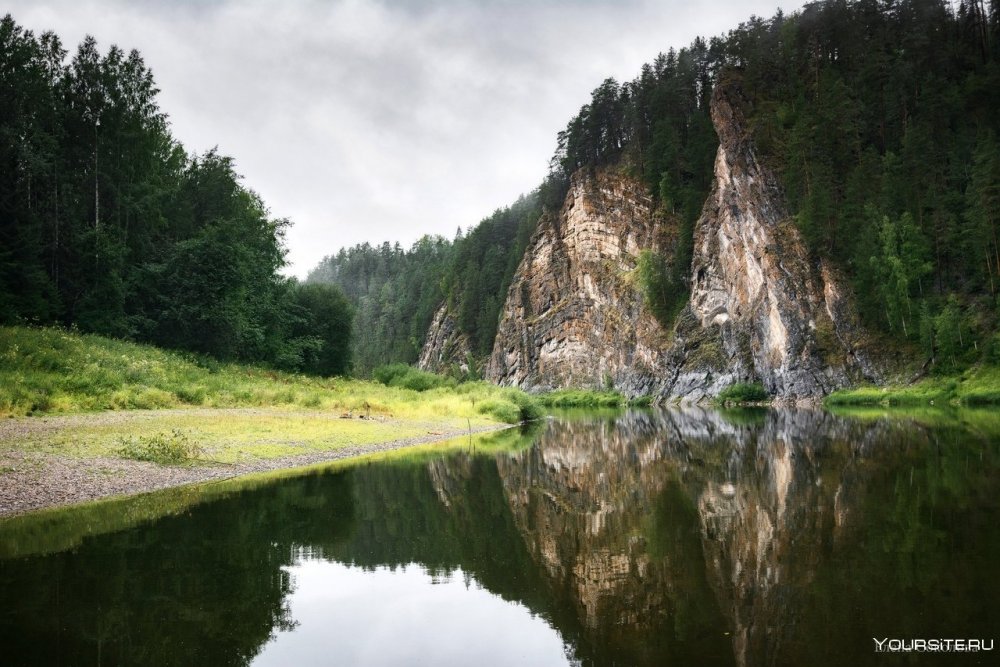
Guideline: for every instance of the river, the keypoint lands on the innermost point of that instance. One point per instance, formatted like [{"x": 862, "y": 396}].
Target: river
[{"x": 677, "y": 537}]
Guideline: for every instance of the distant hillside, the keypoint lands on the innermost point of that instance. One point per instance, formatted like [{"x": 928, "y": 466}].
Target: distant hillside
[{"x": 395, "y": 292}]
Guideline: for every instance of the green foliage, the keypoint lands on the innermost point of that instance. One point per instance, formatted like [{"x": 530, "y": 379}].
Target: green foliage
[
  {"x": 106, "y": 223},
  {"x": 500, "y": 409},
  {"x": 408, "y": 377},
  {"x": 393, "y": 293},
  {"x": 948, "y": 335},
  {"x": 976, "y": 386},
  {"x": 319, "y": 333},
  {"x": 582, "y": 398},
  {"x": 900, "y": 265},
  {"x": 743, "y": 393},
  {"x": 663, "y": 293},
  {"x": 396, "y": 292},
  {"x": 528, "y": 406},
  {"x": 513, "y": 406},
  {"x": 927, "y": 326},
  {"x": 165, "y": 448},
  {"x": 993, "y": 350}
]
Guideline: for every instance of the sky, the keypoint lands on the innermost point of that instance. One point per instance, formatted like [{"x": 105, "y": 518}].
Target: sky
[{"x": 376, "y": 121}]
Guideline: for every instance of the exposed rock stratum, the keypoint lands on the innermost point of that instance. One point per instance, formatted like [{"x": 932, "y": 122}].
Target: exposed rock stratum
[{"x": 760, "y": 308}]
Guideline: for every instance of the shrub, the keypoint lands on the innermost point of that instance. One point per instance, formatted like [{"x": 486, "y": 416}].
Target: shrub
[
  {"x": 582, "y": 398},
  {"x": 408, "y": 377},
  {"x": 527, "y": 405},
  {"x": 511, "y": 406},
  {"x": 192, "y": 395},
  {"x": 504, "y": 410},
  {"x": 174, "y": 447},
  {"x": 643, "y": 401},
  {"x": 386, "y": 374},
  {"x": 743, "y": 393}
]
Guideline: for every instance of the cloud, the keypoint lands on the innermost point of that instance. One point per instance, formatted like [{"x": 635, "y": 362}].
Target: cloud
[{"x": 383, "y": 120}]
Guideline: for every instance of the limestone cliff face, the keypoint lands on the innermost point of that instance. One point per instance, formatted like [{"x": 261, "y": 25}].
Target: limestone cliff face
[
  {"x": 572, "y": 315},
  {"x": 780, "y": 319},
  {"x": 760, "y": 310},
  {"x": 446, "y": 345}
]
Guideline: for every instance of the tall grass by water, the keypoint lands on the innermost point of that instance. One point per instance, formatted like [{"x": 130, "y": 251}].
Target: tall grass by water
[
  {"x": 976, "y": 386},
  {"x": 48, "y": 371}
]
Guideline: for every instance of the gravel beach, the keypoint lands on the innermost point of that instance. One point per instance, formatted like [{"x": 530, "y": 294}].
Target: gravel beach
[{"x": 31, "y": 480}]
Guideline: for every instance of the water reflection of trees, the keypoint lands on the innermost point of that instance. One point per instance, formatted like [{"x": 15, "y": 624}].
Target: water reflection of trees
[{"x": 690, "y": 537}]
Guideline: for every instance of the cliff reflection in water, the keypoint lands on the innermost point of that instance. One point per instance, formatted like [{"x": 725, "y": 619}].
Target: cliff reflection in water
[
  {"x": 793, "y": 536},
  {"x": 777, "y": 537}
]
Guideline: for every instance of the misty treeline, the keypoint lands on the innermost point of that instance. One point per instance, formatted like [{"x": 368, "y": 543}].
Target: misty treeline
[
  {"x": 395, "y": 292},
  {"x": 881, "y": 118},
  {"x": 108, "y": 225}
]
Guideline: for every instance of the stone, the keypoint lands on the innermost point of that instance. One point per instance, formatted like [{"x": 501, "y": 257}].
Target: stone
[
  {"x": 760, "y": 308},
  {"x": 573, "y": 315},
  {"x": 446, "y": 346}
]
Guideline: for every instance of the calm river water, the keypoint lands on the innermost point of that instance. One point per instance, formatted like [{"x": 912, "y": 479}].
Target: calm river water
[{"x": 689, "y": 537}]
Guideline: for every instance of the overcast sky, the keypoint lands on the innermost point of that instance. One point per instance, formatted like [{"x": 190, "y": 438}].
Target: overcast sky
[{"x": 373, "y": 121}]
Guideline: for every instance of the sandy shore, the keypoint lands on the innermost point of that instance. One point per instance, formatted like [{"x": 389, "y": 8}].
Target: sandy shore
[{"x": 31, "y": 480}]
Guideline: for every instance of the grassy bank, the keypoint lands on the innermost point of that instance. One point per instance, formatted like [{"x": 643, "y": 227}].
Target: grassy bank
[
  {"x": 51, "y": 371},
  {"x": 742, "y": 393},
  {"x": 587, "y": 398},
  {"x": 976, "y": 386},
  {"x": 214, "y": 436}
]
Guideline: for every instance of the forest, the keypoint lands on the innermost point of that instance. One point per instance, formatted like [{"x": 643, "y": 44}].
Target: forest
[
  {"x": 881, "y": 120},
  {"x": 108, "y": 225},
  {"x": 879, "y": 116},
  {"x": 395, "y": 292}
]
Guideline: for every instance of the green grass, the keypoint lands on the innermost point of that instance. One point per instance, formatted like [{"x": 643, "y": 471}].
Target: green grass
[
  {"x": 587, "y": 398},
  {"x": 976, "y": 386},
  {"x": 742, "y": 393},
  {"x": 51, "y": 371},
  {"x": 211, "y": 436}
]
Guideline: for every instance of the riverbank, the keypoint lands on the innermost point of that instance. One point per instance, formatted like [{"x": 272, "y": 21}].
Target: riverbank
[
  {"x": 978, "y": 386},
  {"x": 46, "y": 371},
  {"x": 55, "y": 461}
]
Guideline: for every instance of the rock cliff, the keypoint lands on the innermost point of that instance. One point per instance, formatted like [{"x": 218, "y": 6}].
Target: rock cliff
[
  {"x": 572, "y": 315},
  {"x": 761, "y": 309},
  {"x": 446, "y": 346},
  {"x": 779, "y": 318}
]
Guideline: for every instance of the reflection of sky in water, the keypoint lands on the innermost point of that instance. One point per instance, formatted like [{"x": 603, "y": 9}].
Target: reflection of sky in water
[{"x": 350, "y": 616}]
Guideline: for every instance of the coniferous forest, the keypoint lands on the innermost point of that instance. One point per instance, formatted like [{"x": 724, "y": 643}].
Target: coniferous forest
[
  {"x": 395, "y": 292},
  {"x": 880, "y": 117},
  {"x": 109, "y": 225}
]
